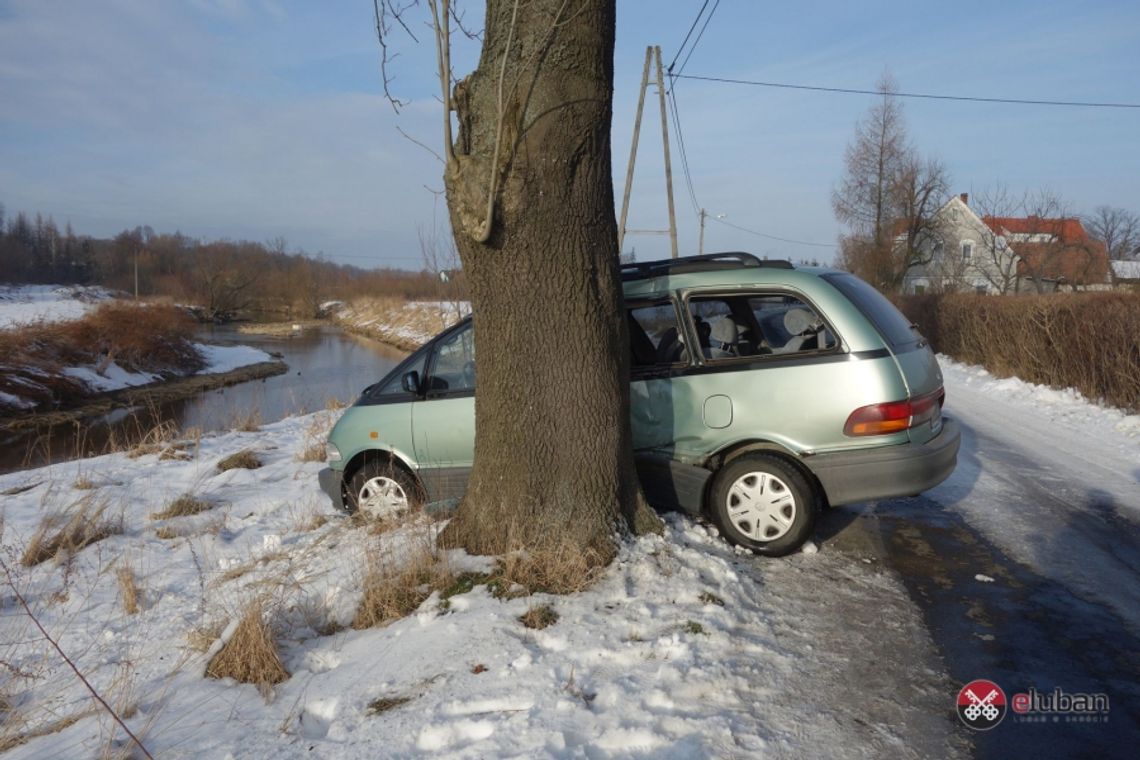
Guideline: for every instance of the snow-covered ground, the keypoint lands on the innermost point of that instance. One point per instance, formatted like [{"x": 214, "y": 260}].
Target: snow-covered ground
[
  {"x": 405, "y": 324},
  {"x": 685, "y": 648},
  {"x": 25, "y": 304}
]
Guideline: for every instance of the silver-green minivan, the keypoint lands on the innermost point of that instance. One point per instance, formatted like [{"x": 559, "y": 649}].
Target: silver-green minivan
[{"x": 760, "y": 393}]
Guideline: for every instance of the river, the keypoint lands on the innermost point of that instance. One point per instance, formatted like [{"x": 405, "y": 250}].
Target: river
[{"x": 324, "y": 364}]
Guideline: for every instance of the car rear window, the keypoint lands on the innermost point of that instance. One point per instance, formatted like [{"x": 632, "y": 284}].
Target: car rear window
[{"x": 889, "y": 321}]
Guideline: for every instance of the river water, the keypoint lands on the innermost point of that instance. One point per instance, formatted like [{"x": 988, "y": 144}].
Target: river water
[{"x": 324, "y": 364}]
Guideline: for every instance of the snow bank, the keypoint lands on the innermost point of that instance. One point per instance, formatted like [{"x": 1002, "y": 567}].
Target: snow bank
[{"x": 24, "y": 304}]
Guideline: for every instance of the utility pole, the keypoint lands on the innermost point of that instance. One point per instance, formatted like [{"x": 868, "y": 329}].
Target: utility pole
[
  {"x": 701, "y": 245},
  {"x": 650, "y": 53}
]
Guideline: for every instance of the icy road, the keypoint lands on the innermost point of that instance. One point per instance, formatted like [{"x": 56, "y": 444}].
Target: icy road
[{"x": 1026, "y": 562}]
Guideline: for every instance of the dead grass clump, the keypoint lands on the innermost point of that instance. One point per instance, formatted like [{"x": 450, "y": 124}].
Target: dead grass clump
[
  {"x": 128, "y": 589},
  {"x": 155, "y": 439},
  {"x": 246, "y": 422},
  {"x": 313, "y": 453},
  {"x": 84, "y": 483},
  {"x": 539, "y": 617},
  {"x": 245, "y": 459},
  {"x": 251, "y": 655},
  {"x": 553, "y": 567},
  {"x": 65, "y": 534},
  {"x": 391, "y": 593},
  {"x": 184, "y": 506},
  {"x": 310, "y": 522},
  {"x": 384, "y": 704},
  {"x": 167, "y": 533}
]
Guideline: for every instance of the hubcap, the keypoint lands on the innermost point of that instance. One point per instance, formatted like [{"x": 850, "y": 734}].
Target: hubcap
[
  {"x": 382, "y": 497},
  {"x": 761, "y": 506}
]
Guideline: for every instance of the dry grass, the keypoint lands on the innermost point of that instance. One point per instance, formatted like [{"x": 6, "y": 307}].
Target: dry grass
[
  {"x": 64, "y": 534},
  {"x": 247, "y": 422},
  {"x": 251, "y": 654},
  {"x": 14, "y": 739},
  {"x": 201, "y": 638},
  {"x": 156, "y": 339},
  {"x": 128, "y": 589},
  {"x": 392, "y": 592},
  {"x": 84, "y": 483},
  {"x": 310, "y": 521},
  {"x": 384, "y": 704},
  {"x": 245, "y": 459},
  {"x": 312, "y": 453},
  {"x": 553, "y": 567},
  {"x": 167, "y": 533},
  {"x": 184, "y": 506},
  {"x": 539, "y": 617}
]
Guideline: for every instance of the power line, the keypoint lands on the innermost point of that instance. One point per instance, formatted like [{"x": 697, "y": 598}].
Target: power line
[
  {"x": 686, "y": 40},
  {"x": 772, "y": 237},
  {"x": 697, "y": 41},
  {"x": 925, "y": 96},
  {"x": 684, "y": 154}
]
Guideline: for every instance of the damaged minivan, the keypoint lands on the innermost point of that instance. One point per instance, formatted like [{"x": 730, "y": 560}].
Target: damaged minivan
[{"x": 761, "y": 393}]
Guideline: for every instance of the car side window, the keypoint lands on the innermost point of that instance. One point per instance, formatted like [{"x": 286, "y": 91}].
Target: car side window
[
  {"x": 790, "y": 325},
  {"x": 452, "y": 366},
  {"x": 758, "y": 325},
  {"x": 655, "y": 338}
]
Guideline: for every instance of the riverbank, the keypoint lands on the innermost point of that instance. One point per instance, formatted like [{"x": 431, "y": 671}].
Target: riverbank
[
  {"x": 406, "y": 325},
  {"x": 161, "y": 392}
]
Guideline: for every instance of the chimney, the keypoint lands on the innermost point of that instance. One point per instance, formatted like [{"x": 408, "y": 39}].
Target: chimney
[{"x": 965, "y": 198}]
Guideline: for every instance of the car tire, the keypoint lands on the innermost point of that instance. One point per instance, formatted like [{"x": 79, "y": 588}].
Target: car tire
[
  {"x": 383, "y": 489},
  {"x": 764, "y": 503}
]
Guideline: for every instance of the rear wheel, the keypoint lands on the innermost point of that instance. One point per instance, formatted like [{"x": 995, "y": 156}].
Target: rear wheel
[
  {"x": 383, "y": 489},
  {"x": 765, "y": 504}
]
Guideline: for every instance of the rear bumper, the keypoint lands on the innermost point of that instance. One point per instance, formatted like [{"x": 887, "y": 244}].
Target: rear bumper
[
  {"x": 331, "y": 483},
  {"x": 887, "y": 472}
]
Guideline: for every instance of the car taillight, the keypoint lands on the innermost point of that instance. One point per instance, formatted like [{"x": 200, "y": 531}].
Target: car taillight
[{"x": 894, "y": 416}]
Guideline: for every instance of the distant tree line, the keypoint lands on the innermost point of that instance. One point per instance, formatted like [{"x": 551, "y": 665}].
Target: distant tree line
[{"x": 224, "y": 278}]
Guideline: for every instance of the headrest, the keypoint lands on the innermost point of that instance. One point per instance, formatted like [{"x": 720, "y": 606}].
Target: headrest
[
  {"x": 725, "y": 330},
  {"x": 798, "y": 321}
]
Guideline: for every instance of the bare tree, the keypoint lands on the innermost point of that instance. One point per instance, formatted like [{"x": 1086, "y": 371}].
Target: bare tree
[
  {"x": 529, "y": 190},
  {"x": 887, "y": 196},
  {"x": 997, "y": 261},
  {"x": 1118, "y": 229}
]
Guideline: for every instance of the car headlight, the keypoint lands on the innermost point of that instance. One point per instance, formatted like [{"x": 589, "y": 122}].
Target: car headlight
[{"x": 332, "y": 453}]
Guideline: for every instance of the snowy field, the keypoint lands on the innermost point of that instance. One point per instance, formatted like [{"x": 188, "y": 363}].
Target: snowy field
[{"x": 25, "y": 304}]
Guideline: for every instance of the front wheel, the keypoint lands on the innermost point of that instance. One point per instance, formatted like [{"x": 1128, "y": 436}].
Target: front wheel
[
  {"x": 765, "y": 504},
  {"x": 383, "y": 489}
]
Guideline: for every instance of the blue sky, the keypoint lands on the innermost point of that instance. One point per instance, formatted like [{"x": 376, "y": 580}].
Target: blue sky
[{"x": 263, "y": 118}]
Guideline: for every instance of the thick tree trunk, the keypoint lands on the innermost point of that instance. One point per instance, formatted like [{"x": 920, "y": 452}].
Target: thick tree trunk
[{"x": 553, "y": 455}]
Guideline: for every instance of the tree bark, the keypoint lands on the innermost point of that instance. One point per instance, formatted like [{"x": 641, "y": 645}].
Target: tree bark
[{"x": 553, "y": 448}]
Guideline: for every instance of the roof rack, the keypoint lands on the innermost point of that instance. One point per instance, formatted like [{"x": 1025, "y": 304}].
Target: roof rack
[{"x": 643, "y": 270}]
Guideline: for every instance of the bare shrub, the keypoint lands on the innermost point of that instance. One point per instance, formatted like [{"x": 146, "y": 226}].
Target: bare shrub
[
  {"x": 245, "y": 459},
  {"x": 1085, "y": 341},
  {"x": 128, "y": 589},
  {"x": 66, "y": 533},
  {"x": 251, "y": 654},
  {"x": 184, "y": 506}
]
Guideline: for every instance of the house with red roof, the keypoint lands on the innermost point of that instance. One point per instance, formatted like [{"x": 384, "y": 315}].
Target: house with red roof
[{"x": 965, "y": 252}]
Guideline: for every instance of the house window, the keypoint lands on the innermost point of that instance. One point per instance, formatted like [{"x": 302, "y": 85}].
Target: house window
[
  {"x": 937, "y": 250},
  {"x": 981, "y": 289},
  {"x": 967, "y": 250},
  {"x": 919, "y": 289}
]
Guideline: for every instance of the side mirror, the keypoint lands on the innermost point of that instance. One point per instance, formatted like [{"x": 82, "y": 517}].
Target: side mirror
[{"x": 411, "y": 382}]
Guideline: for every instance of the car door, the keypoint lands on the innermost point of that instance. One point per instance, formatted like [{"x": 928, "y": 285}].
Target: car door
[{"x": 443, "y": 420}]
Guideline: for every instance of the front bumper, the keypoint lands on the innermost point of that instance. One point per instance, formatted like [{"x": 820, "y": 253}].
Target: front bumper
[
  {"x": 887, "y": 472},
  {"x": 331, "y": 482}
]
